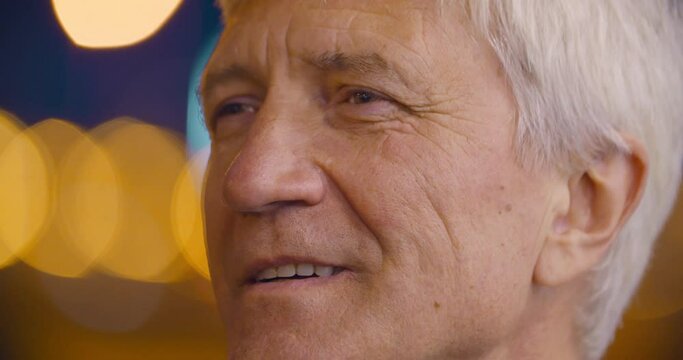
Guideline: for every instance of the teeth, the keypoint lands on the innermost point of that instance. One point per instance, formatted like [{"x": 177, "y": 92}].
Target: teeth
[
  {"x": 286, "y": 271},
  {"x": 290, "y": 270},
  {"x": 267, "y": 274},
  {"x": 323, "y": 270},
  {"x": 304, "y": 269}
]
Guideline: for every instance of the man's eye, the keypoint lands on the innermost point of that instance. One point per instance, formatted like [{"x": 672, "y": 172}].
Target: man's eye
[
  {"x": 234, "y": 113},
  {"x": 362, "y": 97},
  {"x": 361, "y": 104},
  {"x": 236, "y": 108}
]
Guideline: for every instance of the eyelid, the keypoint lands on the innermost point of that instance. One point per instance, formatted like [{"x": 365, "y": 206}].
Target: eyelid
[
  {"x": 213, "y": 120},
  {"x": 241, "y": 99},
  {"x": 345, "y": 93},
  {"x": 381, "y": 107}
]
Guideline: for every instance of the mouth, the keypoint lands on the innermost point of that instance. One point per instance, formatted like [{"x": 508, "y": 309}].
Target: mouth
[{"x": 293, "y": 272}]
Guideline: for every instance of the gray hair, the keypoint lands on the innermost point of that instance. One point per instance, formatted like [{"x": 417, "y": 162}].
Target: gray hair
[{"x": 583, "y": 71}]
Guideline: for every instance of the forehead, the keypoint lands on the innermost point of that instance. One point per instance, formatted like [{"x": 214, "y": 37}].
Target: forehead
[
  {"x": 261, "y": 29},
  {"x": 379, "y": 15}
]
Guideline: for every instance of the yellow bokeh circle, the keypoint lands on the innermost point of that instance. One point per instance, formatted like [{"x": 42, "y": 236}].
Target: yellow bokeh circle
[
  {"x": 90, "y": 187},
  {"x": 10, "y": 127},
  {"x": 187, "y": 213},
  {"x": 147, "y": 161},
  {"x": 54, "y": 251},
  {"x": 26, "y": 193}
]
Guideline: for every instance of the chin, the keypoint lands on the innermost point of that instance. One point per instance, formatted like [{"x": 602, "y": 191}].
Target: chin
[{"x": 288, "y": 345}]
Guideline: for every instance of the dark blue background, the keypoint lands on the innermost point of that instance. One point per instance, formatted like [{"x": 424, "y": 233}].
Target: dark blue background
[{"x": 43, "y": 74}]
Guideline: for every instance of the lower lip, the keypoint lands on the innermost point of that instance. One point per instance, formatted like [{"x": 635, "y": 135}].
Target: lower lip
[{"x": 297, "y": 285}]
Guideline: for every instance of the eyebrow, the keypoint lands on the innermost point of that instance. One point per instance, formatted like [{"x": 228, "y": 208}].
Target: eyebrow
[
  {"x": 233, "y": 72},
  {"x": 339, "y": 61},
  {"x": 357, "y": 64}
]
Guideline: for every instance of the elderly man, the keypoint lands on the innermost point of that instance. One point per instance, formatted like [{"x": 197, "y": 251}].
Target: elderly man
[{"x": 438, "y": 179}]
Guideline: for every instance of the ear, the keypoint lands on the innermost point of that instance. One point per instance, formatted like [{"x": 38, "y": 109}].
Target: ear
[{"x": 601, "y": 199}]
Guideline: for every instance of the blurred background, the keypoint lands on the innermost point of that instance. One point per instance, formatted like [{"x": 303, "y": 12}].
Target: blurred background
[{"x": 102, "y": 151}]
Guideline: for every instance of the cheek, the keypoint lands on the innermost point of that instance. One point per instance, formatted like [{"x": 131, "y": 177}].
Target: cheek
[
  {"x": 496, "y": 211},
  {"x": 460, "y": 231}
]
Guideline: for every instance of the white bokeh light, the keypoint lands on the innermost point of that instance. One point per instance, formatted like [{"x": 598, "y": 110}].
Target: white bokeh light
[{"x": 112, "y": 23}]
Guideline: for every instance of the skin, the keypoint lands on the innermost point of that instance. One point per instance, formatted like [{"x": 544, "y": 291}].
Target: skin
[{"x": 378, "y": 137}]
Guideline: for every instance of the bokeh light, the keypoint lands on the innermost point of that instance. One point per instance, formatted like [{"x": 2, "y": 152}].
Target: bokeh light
[
  {"x": 112, "y": 23},
  {"x": 89, "y": 264},
  {"x": 25, "y": 192},
  {"x": 187, "y": 213},
  {"x": 54, "y": 252},
  {"x": 148, "y": 160},
  {"x": 9, "y": 128},
  {"x": 123, "y": 199},
  {"x": 91, "y": 191}
]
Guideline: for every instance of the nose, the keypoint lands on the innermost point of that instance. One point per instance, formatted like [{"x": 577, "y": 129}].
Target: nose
[{"x": 273, "y": 169}]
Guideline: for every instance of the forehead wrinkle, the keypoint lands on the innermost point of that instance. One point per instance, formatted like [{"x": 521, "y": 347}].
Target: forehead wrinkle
[
  {"x": 363, "y": 64},
  {"x": 340, "y": 61},
  {"x": 358, "y": 24},
  {"x": 276, "y": 41},
  {"x": 377, "y": 7}
]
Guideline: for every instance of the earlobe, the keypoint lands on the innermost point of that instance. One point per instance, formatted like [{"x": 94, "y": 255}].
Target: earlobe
[{"x": 601, "y": 199}]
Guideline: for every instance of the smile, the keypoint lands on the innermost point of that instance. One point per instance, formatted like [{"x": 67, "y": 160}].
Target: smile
[{"x": 295, "y": 272}]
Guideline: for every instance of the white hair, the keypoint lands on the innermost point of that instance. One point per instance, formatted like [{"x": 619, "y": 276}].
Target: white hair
[{"x": 582, "y": 72}]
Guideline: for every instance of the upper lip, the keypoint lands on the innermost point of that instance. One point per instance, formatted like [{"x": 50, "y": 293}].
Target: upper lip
[{"x": 257, "y": 266}]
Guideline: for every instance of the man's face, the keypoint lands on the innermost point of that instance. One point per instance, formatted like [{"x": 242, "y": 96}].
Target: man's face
[{"x": 373, "y": 140}]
